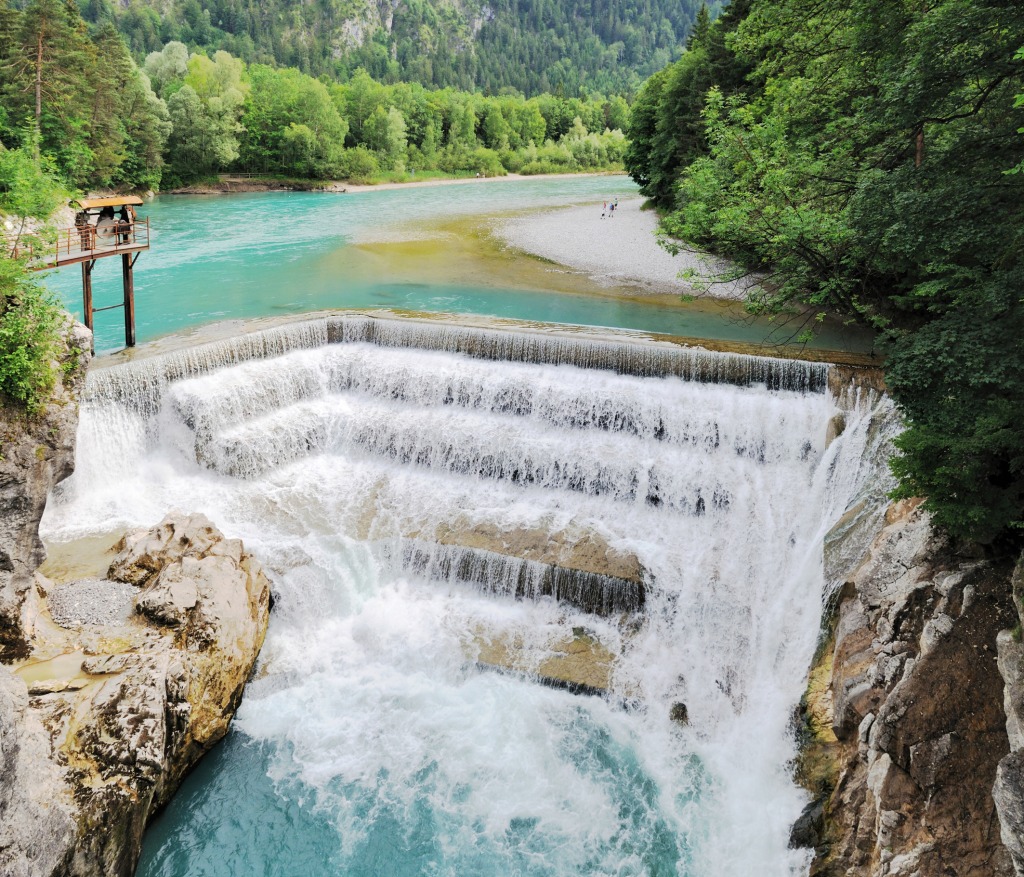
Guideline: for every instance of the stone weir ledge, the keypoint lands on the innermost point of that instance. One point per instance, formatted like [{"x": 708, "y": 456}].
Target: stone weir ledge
[
  {"x": 115, "y": 685},
  {"x": 112, "y": 687}
]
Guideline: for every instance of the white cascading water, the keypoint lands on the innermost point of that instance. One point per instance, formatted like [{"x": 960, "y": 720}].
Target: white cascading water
[{"x": 331, "y": 459}]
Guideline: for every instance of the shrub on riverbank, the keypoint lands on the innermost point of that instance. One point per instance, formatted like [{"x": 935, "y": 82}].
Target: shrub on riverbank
[
  {"x": 30, "y": 320},
  {"x": 30, "y": 325}
]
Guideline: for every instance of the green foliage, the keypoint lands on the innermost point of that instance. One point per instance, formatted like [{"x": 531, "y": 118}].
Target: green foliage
[
  {"x": 667, "y": 131},
  {"x": 384, "y": 133},
  {"x": 863, "y": 167},
  {"x": 30, "y": 325},
  {"x": 27, "y": 189},
  {"x": 190, "y": 114},
  {"x": 960, "y": 381},
  {"x": 359, "y": 165},
  {"x": 82, "y": 98},
  {"x": 291, "y": 125},
  {"x": 1019, "y": 102},
  {"x": 404, "y": 125},
  {"x": 530, "y": 46},
  {"x": 30, "y": 322}
]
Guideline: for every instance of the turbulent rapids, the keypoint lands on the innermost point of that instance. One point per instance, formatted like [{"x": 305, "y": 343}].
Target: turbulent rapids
[{"x": 425, "y": 493}]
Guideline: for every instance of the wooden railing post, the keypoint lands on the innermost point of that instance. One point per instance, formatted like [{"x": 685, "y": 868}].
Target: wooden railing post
[
  {"x": 87, "y": 294},
  {"x": 129, "y": 300}
]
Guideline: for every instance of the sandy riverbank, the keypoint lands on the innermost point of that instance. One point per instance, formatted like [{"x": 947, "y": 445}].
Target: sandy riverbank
[{"x": 615, "y": 250}]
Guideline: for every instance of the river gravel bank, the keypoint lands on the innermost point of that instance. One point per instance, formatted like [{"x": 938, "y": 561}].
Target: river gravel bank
[
  {"x": 615, "y": 249},
  {"x": 92, "y": 601}
]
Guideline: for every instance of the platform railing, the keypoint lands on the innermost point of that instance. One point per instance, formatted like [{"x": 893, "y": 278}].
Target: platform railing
[{"x": 74, "y": 243}]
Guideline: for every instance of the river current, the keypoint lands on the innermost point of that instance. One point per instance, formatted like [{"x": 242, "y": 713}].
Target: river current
[
  {"x": 218, "y": 257},
  {"x": 369, "y": 463}
]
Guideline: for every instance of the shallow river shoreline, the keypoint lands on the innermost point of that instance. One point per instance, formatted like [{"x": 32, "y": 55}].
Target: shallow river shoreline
[
  {"x": 229, "y": 184},
  {"x": 617, "y": 247}
]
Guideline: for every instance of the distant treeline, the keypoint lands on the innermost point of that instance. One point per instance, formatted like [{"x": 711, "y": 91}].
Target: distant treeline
[
  {"x": 868, "y": 158},
  {"x": 102, "y": 121},
  {"x": 532, "y": 46}
]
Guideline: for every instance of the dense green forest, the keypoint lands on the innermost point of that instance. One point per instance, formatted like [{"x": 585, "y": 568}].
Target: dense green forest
[
  {"x": 866, "y": 156},
  {"x": 101, "y": 120},
  {"x": 532, "y": 46}
]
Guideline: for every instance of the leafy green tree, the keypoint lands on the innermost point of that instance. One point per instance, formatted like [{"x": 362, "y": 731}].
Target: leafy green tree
[
  {"x": 200, "y": 141},
  {"x": 643, "y": 124},
  {"x": 129, "y": 123},
  {"x": 30, "y": 322},
  {"x": 359, "y": 165},
  {"x": 46, "y": 64},
  {"x": 169, "y": 65},
  {"x": 81, "y": 101},
  {"x": 670, "y": 133},
  {"x": 496, "y": 129},
  {"x": 357, "y": 100},
  {"x": 28, "y": 191},
  {"x": 867, "y": 177},
  {"x": 278, "y": 100},
  {"x": 299, "y": 149},
  {"x": 384, "y": 133}
]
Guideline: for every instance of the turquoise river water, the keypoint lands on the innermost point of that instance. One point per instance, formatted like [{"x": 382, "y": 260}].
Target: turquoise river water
[{"x": 253, "y": 255}]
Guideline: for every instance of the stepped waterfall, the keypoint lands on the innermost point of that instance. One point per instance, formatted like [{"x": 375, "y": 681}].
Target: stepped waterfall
[{"x": 425, "y": 495}]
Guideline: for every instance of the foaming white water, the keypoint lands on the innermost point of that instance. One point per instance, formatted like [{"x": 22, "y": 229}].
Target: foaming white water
[{"x": 319, "y": 456}]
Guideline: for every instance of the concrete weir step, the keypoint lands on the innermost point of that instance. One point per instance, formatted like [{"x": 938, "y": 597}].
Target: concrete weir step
[
  {"x": 525, "y": 579},
  {"x": 575, "y": 661}
]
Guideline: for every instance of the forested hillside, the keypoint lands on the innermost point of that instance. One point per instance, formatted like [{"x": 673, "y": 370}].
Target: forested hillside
[
  {"x": 534, "y": 46},
  {"x": 868, "y": 156},
  {"x": 73, "y": 96}
]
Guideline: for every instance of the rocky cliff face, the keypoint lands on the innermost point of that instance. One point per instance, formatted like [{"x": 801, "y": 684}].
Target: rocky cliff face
[
  {"x": 35, "y": 454},
  {"x": 909, "y": 714},
  {"x": 130, "y": 680},
  {"x": 1008, "y": 791}
]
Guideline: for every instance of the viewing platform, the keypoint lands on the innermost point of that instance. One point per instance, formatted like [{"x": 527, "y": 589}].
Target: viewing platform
[
  {"x": 78, "y": 244},
  {"x": 98, "y": 232}
]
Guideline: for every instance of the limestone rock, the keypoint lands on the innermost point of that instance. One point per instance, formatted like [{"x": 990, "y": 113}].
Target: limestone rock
[
  {"x": 142, "y": 553},
  {"x": 38, "y": 452},
  {"x": 37, "y": 829},
  {"x": 1008, "y": 793},
  {"x": 917, "y": 710},
  {"x": 122, "y": 719}
]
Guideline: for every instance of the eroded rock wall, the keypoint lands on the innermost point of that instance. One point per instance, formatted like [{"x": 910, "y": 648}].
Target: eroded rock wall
[
  {"x": 1008, "y": 790},
  {"x": 915, "y": 699},
  {"x": 35, "y": 454}
]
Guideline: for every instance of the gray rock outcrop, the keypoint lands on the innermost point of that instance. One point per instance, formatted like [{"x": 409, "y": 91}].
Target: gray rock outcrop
[
  {"x": 35, "y": 454},
  {"x": 1008, "y": 790},
  {"x": 104, "y": 720},
  {"x": 915, "y": 700},
  {"x": 34, "y": 822}
]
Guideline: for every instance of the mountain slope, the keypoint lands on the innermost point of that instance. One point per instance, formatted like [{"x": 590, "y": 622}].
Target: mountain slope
[{"x": 560, "y": 46}]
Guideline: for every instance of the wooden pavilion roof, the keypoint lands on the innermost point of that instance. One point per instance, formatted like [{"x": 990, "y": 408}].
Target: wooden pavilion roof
[{"x": 112, "y": 201}]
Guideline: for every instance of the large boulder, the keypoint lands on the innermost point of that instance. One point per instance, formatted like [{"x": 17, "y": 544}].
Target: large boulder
[{"x": 126, "y": 706}]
